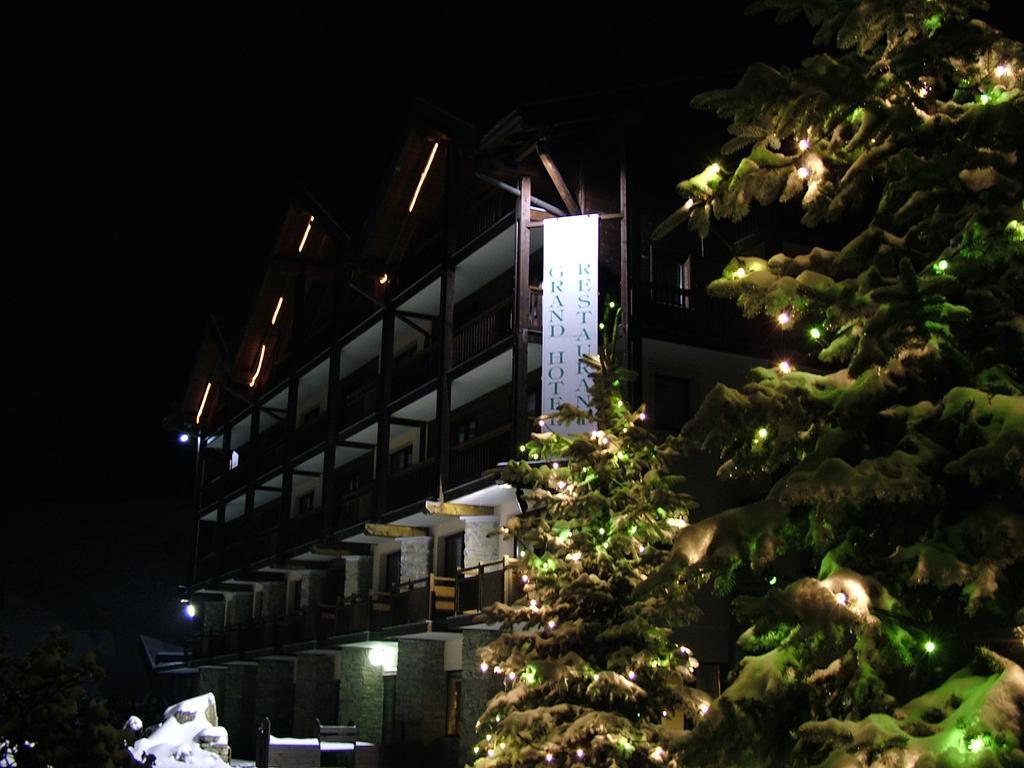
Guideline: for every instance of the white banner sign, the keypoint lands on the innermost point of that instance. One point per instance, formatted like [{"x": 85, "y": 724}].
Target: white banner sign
[{"x": 569, "y": 311}]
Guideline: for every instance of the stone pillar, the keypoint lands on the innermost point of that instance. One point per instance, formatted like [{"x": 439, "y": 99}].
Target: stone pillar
[
  {"x": 478, "y": 546},
  {"x": 312, "y": 589},
  {"x": 275, "y": 599},
  {"x": 316, "y": 691},
  {"x": 275, "y": 692},
  {"x": 239, "y": 712},
  {"x": 239, "y": 610},
  {"x": 477, "y": 688},
  {"x": 420, "y": 692},
  {"x": 358, "y": 576},
  {"x": 213, "y": 679},
  {"x": 415, "y": 563},
  {"x": 361, "y": 694},
  {"x": 212, "y": 612}
]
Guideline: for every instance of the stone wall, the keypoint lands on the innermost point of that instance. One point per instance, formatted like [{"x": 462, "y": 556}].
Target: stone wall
[
  {"x": 213, "y": 679},
  {"x": 275, "y": 692},
  {"x": 361, "y": 694},
  {"x": 416, "y": 551},
  {"x": 358, "y": 575},
  {"x": 212, "y": 613},
  {"x": 239, "y": 610},
  {"x": 478, "y": 546},
  {"x": 420, "y": 692},
  {"x": 477, "y": 689},
  {"x": 238, "y": 714},
  {"x": 275, "y": 599},
  {"x": 316, "y": 691}
]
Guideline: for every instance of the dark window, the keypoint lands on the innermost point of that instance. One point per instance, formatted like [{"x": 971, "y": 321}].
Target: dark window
[
  {"x": 401, "y": 459},
  {"x": 405, "y": 356},
  {"x": 465, "y": 430},
  {"x": 296, "y": 596},
  {"x": 392, "y": 572},
  {"x": 257, "y": 604},
  {"x": 672, "y": 279},
  {"x": 311, "y": 415},
  {"x": 453, "y": 551},
  {"x": 671, "y": 406},
  {"x": 306, "y": 501},
  {"x": 453, "y": 704}
]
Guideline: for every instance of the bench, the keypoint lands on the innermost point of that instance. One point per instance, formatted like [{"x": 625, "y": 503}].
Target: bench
[
  {"x": 276, "y": 752},
  {"x": 337, "y": 744}
]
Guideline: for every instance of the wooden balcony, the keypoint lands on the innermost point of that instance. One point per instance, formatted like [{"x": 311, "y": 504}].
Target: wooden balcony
[
  {"x": 482, "y": 332},
  {"x": 426, "y": 599},
  {"x": 469, "y": 460},
  {"x": 696, "y": 317},
  {"x": 415, "y": 371},
  {"x": 482, "y": 585},
  {"x": 412, "y": 484},
  {"x": 353, "y": 507}
]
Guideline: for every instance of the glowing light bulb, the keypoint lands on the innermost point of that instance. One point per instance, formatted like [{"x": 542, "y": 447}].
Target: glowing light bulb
[
  {"x": 929, "y": 646},
  {"x": 190, "y": 610},
  {"x": 815, "y": 333},
  {"x": 785, "y": 367},
  {"x": 762, "y": 433},
  {"x": 631, "y": 675},
  {"x": 941, "y": 266},
  {"x": 740, "y": 273},
  {"x": 703, "y": 708},
  {"x": 526, "y": 579},
  {"x": 976, "y": 744},
  {"x": 714, "y": 168},
  {"x": 804, "y": 144},
  {"x": 484, "y": 666},
  {"x": 1004, "y": 70},
  {"x": 783, "y": 318},
  {"x": 574, "y": 557},
  {"x": 922, "y": 91},
  {"x": 664, "y": 713},
  {"x": 803, "y": 172},
  {"x": 549, "y": 758},
  {"x": 841, "y": 598},
  {"x": 688, "y": 204},
  {"x": 676, "y": 522},
  {"x": 579, "y": 753},
  {"x": 642, "y": 417},
  {"x": 611, "y": 304},
  {"x": 985, "y": 98},
  {"x": 552, "y": 624},
  {"x": 512, "y": 676},
  {"x": 383, "y": 279},
  {"x": 183, "y": 438}
]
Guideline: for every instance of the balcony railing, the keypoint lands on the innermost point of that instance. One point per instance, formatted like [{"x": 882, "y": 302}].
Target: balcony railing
[
  {"x": 427, "y": 599},
  {"x": 412, "y": 484},
  {"x": 353, "y": 507},
  {"x": 414, "y": 371},
  {"x": 472, "y": 458},
  {"x": 482, "y": 585},
  {"x": 358, "y": 402},
  {"x": 692, "y": 312},
  {"x": 482, "y": 332},
  {"x": 305, "y": 528}
]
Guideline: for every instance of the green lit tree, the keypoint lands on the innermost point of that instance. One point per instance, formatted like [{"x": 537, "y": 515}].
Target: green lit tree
[
  {"x": 590, "y": 671},
  {"x": 883, "y": 568}
]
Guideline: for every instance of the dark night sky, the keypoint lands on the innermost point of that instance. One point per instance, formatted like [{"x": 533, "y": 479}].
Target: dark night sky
[{"x": 146, "y": 160}]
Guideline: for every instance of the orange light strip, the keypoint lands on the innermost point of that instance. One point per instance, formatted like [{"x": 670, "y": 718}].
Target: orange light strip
[
  {"x": 202, "y": 405},
  {"x": 259, "y": 365},
  {"x": 277, "y": 310},
  {"x": 423, "y": 176},
  {"x": 309, "y": 226}
]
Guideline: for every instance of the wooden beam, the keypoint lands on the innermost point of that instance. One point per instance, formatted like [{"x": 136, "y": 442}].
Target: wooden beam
[
  {"x": 355, "y": 444},
  {"x": 304, "y": 565},
  {"x": 333, "y": 550},
  {"x": 261, "y": 576},
  {"x": 556, "y": 177},
  {"x": 306, "y": 473},
  {"x": 402, "y": 422},
  {"x": 389, "y": 531},
  {"x": 453, "y": 509},
  {"x": 229, "y": 588}
]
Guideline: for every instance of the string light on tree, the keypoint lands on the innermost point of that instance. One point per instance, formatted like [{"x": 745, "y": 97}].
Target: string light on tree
[
  {"x": 785, "y": 367},
  {"x": 804, "y": 144},
  {"x": 784, "y": 318}
]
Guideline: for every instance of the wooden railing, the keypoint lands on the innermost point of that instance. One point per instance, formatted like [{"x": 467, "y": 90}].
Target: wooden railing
[
  {"x": 426, "y": 599},
  {"x": 353, "y": 507},
  {"x": 469, "y": 460},
  {"x": 482, "y": 332},
  {"x": 412, "y": 483},
  {"x": 482, "y": 585}
]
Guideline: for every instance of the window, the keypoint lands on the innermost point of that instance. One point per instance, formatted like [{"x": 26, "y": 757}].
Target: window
[
  {"x": 392, "y": 572},
  {"x": 257, "y": 604},
  {"x": 401, "y": 459},
  {"x": 296, "y": 596},
  {"x": 405, "y": 356},
  {"x": 671, "y": 402},
  {"x": 311, "y": 415},
  {"x": 453, "y": 554},
  {"x": 464, "y": 431},
  {"x": 233, "y": 461},
  {"x": 673, "y": 280},
  {"x": 306, "y": 501},
  {"x": 453, "y": 704}
]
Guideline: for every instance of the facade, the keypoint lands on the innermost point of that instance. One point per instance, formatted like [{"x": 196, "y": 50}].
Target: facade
[{"x": 348, "y": 534}]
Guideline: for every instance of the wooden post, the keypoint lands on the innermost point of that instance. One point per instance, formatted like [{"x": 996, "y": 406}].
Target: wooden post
[
  {"x": 250, "y": 487},
  {"x": 520, "y": 314},
  {"x": 387, "y": 364},
  {"x": 447, "y": 320}
]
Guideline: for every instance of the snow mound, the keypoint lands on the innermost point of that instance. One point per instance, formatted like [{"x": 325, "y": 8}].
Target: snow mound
[{"x": 178, "y": 741}]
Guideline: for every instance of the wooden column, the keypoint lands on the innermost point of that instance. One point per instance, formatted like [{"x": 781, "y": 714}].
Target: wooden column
[
  {"x": 387, "y": 365},
  {"x": 447, "y": 320},
  {"x": 520, "y": 314},
  {"x": 284, "y": 514},
  {"x": 219, "y": 533},
  {"x": 250, "y": 484}
]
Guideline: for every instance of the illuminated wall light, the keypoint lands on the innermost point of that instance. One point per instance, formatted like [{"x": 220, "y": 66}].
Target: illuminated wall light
[
  {"x": 423, "y": 177},
  {"x": 309, "y": 226},
  {"x": 183, "y": 438},
  {"x": 277, "y": 310},
  {"x": 259, "y": 365},
  {"x": 190, "y": 610},
  {"x": 202, "y": 405}
]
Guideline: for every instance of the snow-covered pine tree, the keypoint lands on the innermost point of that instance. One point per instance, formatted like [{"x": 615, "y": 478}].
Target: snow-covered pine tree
[
  {"x": 890, "y": 634},
  {"x": 591, "y": 672}
]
